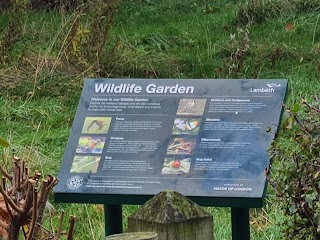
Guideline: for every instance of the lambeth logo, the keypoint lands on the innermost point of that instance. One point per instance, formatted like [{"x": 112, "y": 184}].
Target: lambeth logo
[
  {"x": 273, "y": 85},
  {"x": 270, "y": 88},
  {"x": 74, "y": 182}
]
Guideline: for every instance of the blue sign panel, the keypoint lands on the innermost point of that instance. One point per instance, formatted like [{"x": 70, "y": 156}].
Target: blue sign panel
[{"x": 207, "y": 139}]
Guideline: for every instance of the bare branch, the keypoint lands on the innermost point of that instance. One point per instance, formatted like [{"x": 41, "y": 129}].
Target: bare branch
[
  {"x": 22, "y": 171},
  {"x": 10, "y": 201},
  {"x": 16, "y": 176},
  {"x": 36, "y": 175},
  {"x": 34, "y": 215},
  {"x": 5, "y": 173},
  {"x": 60, "y": 224},
  {"x": 29, "y": 195},
  {"x": 26, "y": 172},
  {"x": 311, "y": 108},
  {"x": 53, "y": 183},
  {"x": 5, "y": 202},
  {"x": 71, "y": 228},
  {"x": 43, "y": 193},
  {"x": 19, "y": 179}
]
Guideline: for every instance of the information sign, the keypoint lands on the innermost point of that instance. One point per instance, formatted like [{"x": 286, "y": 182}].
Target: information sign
[{"x": 207, "y": 139}]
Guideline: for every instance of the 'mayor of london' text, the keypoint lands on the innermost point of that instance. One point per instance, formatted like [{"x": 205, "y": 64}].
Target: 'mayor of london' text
[{"x": 133, "y": 88}]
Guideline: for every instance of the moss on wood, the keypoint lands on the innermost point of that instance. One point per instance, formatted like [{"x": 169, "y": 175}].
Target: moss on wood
[{"x": 169, "y": 207}]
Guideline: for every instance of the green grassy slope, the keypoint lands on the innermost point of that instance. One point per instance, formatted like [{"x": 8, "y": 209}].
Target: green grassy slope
[{"x": 165, "y": 39}]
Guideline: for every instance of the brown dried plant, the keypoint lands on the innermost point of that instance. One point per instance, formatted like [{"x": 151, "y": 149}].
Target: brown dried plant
[
  {"x": 85, "y": 43},
  {"x": 23, "y": 199}
]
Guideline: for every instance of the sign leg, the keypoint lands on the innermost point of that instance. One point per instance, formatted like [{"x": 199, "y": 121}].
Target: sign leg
[
  {"x": 113, "y": 219},
  {"x": 240, "y": 224}
]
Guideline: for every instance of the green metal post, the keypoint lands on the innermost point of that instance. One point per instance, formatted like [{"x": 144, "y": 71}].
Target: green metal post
[
  {"x": 113, "y": 219},
  {"x": 240, "y": 224}
]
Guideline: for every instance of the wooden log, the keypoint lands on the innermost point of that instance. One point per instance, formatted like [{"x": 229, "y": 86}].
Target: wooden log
[
  {"x": 134, "y": 236},
  {"x": 172, "y": 216}
]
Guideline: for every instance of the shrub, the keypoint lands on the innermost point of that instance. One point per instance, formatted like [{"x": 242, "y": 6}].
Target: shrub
[
  {"x": 24, "y": 202},
  {"x": 297, "y": 172},
  {"x": 40, "y": 5}
]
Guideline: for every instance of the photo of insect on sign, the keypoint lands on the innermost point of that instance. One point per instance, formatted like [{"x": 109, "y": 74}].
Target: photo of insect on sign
[{"x": 205, "y": 138}]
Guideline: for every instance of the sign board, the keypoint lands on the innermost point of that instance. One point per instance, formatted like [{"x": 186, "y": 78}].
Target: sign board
[{"x": 207, "y": 139}]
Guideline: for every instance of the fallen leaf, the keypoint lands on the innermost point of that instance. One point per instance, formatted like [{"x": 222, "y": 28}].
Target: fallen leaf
[
  {"x": 3, "y": 142},
  {"x": 4, "y": 215},
  {"x": 4, "y": 218},
  {"x": 3, "y": 231},
  {"x": 289, "y": 26},
  {"x": 30, "y": 94}
]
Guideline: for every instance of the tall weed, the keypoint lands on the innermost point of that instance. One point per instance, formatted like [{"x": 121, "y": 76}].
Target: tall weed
[
  {"x": 86, "y": 42},
  {"x": 259, "y": 11}
]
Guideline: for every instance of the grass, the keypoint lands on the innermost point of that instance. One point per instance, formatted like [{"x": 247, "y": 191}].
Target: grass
[{"x": 159, "y": 39}]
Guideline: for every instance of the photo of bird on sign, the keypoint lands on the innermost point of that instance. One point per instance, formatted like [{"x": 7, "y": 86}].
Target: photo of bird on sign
[
  {"x": 96, "y": 125},
  {"x": 191, "y": 107}
]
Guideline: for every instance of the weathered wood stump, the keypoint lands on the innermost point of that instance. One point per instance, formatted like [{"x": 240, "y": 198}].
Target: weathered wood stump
[
  {"x": 134, "y": 236},
  {"x": 172, "y": 216}
]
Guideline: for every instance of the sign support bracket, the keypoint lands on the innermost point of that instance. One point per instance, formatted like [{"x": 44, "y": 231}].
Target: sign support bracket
[
  {"x": 240, "y": 224},
  {"x": 113, "y": 219}
]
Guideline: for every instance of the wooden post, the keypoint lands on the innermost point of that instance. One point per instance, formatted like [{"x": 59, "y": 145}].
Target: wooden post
[
  {"x": 134, "y": 236},
  {"x": 172, "y": 216}
]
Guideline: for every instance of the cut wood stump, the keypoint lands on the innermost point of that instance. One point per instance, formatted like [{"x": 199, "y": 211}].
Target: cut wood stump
[
  {"x": 172, "y": 216},
  {"x": 134, "y": 236}
]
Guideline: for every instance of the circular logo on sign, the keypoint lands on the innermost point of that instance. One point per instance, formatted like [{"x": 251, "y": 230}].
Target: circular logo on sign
[{"x": 74, "y": 182}]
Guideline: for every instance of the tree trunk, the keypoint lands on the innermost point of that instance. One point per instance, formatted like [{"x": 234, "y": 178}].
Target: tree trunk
[{"x": 14, "y": 227}]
